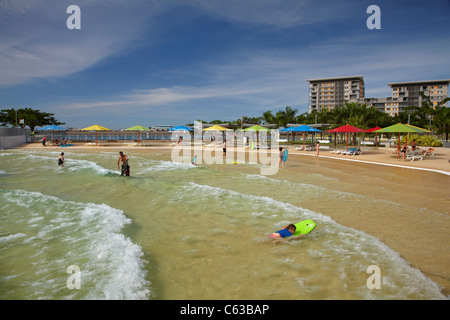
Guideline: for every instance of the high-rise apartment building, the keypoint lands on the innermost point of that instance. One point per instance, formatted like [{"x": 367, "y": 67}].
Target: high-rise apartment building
[
  {"x": 329, "y": 93},
  {"x": 407, "y": 94}
]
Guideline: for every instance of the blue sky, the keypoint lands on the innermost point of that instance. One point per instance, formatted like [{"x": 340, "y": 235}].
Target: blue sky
[{"x": 154, "y": 62}]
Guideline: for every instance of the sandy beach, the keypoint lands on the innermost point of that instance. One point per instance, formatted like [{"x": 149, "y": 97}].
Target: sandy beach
[
  {"x": 424, "y": 184},
  {"x": 439, "y": 162}
]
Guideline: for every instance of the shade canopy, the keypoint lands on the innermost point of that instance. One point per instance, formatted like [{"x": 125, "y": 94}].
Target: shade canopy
[
  {"x": 373, "y": 129},
  {"x": 180, "y": 128},
  {"x": 305, "y": 128},
  {"x": 400, "y": 127},
  {"x": 95, "y": 127},
  {"x": 52, "y": 127},
  {"x": 287, "y": 129},
  {"x": 256, "y": 128},
  {"x": 215, "y": 128},
  {"x": 346, "y": 128},
  {"x": 138, "y": 128}
]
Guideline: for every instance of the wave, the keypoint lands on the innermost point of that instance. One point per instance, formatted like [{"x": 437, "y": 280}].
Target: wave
[
  {"x": 57, "y": 234},
  {"x": 81, "y": 165},
  {"x": 335, "y": 245},
  {"x": 162, "y": 165}
]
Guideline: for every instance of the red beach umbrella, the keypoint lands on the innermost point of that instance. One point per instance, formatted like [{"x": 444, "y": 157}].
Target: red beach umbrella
[
  {"x": 376, "y": 134},
  {"x": 347, "y": 128}
]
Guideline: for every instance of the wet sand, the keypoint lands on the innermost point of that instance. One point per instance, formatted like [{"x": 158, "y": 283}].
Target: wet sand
[{"x": 421, "y": 239}]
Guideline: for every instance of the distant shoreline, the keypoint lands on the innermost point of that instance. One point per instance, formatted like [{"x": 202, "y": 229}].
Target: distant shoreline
[{"x": 439, "y": 163}]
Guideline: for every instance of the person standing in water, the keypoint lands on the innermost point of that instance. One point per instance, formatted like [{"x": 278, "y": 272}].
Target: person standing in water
[
  {"x": 125, "y": 167},
  {"x": 61, "y": 159},
  {"x": 281, "y": 156},
  {"x": 224, "y": 148}
]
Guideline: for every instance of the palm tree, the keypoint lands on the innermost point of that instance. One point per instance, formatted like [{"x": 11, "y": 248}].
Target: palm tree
[
  {"x": 268, "y": 117},
  {"x": 286, "y": 116}
]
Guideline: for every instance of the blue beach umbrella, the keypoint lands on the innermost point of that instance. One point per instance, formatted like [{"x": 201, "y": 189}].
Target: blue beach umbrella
[
  {"x": 53, "y": 127},
  {"x": 290, "y": 129},
  {"x": 180, "y": 128},
  {"x": 304, "y": 128}
]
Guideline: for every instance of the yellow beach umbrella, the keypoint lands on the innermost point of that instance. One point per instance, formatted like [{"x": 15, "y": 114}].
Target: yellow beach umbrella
[
  {"x": 216, "y": 128},
  {"x": 95, "y": 128}
]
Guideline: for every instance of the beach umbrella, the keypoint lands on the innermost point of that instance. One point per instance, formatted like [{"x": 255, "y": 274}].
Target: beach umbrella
[
  {"x": 376, "y": 134},
  {"x": 346, "y": 129},
  {"x": 215, "y": 128},
  {"x": 53, "y": 127},
  {"x": 304, "y": 128},
  {"x": 373, "y": 129},
  {"x": 257, "y": 128},
  {"x": 95, "y": 128},
  {"x": 290, "y": 129},
  {"x": 138, "y": 128},
  {"x": 180, "y": 128},
  {"x": 401, "y": 128}
]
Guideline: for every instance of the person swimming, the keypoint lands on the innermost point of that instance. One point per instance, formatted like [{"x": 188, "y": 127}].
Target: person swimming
[{"x": 287, "y": 231}]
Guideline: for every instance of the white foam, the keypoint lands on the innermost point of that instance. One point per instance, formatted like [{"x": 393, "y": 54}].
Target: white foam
[
  {"x": 162, "y": 165},
  {"x": 80, "y": 165},
  {"x": 12, "y": 237},
  {"x": 63, "y": 233},
  {"x": 337, "y": 242}
]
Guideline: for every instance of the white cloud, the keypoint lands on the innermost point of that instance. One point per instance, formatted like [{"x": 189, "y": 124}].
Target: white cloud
[
  {"x": 274, "y": 13},
  {"x": 35, "y": 42},
  {"x": 273, "y": 79}
]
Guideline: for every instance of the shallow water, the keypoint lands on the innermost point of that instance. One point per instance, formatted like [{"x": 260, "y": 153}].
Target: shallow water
[{"x": 177, "y": 231}]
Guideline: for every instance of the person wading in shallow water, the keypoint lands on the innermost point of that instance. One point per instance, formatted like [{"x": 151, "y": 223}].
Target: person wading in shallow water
[{"x": 125, "y": 167}]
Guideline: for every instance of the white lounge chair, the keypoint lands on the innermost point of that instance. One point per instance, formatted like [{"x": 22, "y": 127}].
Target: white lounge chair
[
  {"x": 352, "y": 152},
  {"x": 413, "y": 155}
]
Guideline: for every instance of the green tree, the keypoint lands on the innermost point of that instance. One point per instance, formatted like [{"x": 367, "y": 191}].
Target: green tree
[
  {"x": 32, "y": 118},
  {"x": 441, "y": 121},
  {"x": 269, "y": 118},
  {"x": 286, "y": 116}
]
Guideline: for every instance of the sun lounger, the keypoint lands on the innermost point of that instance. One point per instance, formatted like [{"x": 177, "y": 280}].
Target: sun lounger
[
  {"x": 428, "y": 152},
  {"x": 413, "y": 155},
  {"x": 337, "y": 151},
  {"x": 352, "y": 152}
]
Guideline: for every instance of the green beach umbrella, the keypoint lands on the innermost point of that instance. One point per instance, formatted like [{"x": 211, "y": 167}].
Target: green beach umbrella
[
  {"x": 257, "y": 128},
  {"x": 138, "y": 128},
  {"x": 401, "y": 128}
]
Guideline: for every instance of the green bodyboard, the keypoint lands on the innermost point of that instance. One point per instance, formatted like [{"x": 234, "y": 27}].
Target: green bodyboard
[{"x": 304, "y": 227}]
